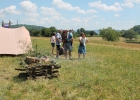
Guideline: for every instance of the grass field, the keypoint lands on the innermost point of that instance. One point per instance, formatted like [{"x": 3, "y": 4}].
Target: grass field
[{"x": 110, "y": 71}]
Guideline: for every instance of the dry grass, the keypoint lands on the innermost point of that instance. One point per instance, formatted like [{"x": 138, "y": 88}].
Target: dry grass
[{"x": 121, "y": 43}]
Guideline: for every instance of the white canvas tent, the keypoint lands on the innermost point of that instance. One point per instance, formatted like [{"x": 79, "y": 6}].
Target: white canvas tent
[{"x": 14, "y": 41}]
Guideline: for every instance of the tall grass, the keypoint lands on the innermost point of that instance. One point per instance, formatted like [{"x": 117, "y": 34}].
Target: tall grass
[{"x": 107, "y": 73}]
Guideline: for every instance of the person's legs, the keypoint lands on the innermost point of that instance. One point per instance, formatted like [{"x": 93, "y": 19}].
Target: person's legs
[
  {"x": 57, "y": 50},
  {"x": 57, "y": 53},
  {"x": 84, "y": 56},
  {"x": 69, "y": 54},
  {"x": 65, "y": 50},
  {"x": 78, "y": 55},
  {"x": 65, "y": 54},
  {"x": 53, "y": 45},
  {"x": 52, "y": 50},
  {"x": 84, "y": 52},
  {"x": 79, "y": 52},
  {"x": 70, "y": 50}
]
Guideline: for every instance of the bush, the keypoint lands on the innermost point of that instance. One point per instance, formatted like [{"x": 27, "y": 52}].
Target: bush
[
  {"x": 109, "y": 34},
  {"x": 130, "y": 34}
]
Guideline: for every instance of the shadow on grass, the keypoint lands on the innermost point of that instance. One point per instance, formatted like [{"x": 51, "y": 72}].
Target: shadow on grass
[{"x": 21, "y": 77}]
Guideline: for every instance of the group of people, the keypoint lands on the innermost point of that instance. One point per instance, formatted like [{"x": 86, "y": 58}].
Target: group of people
[{"x": 64, "y": 39}]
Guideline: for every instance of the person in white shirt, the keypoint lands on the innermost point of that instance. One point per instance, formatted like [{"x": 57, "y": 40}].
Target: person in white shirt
[
  {"x": 58, "y": 42},
  {"x": 52, "y": 40},
  {"x": 82, "y": 46}
]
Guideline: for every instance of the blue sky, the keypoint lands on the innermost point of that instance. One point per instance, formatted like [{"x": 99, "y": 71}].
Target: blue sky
[{"x": 72, "y": 14}]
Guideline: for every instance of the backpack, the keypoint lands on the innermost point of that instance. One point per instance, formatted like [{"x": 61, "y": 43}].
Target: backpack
[
  {"x": 61, "y": 51},
  {"x": 64, "y": 37}
]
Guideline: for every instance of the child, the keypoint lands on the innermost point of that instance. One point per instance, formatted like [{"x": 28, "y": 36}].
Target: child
[
  {"x": 82, "y": 46},
  {"x": 52, "y": 40}
]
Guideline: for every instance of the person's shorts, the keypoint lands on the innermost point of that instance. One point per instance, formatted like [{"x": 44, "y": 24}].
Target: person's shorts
[
  {"x": 53, "y": 44},
  {"x": 67, "y": 46},
  {"x": 58, "y": 47}
]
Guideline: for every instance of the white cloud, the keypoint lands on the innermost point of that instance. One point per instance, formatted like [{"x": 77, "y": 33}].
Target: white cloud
[
  {"x": 63, "y": 5},
  {"x": 1, "y": 16},
  {"x": 82, "y": 22},
  {"x": 86, "y": 12},
  {"x": 46, "y": 19},
  {"x": 31, "y": 14},
  {"x": 128, "y": 4},
  {"x": 117, "y": 4},
  {"x": 116, "y": 15},
  {"x": 29, "y": 8},
  {"x": 97, "y": 23},
  {"x": 136, "y": 1},
  {"x": 76, "y": 20},
  {"x": 1, "y": 11},
  {"x": 66, "y": 6},
  {"x": 103, "y": 18},
  {"x": 100, "y": 5},
  {"x": 49, "y": 11},
  {"x": 9, "y": 10}
]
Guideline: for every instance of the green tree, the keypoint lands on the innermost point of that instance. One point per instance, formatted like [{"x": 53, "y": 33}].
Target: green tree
[
  {"x": 78, "y": 32},
  {"x": 44, "y": 32},
  {"x": 92, "y": 33},
  {"x": 52, "y": 29},
  {"x": 136, "y": 29},
  {"x": 130, "y": 34},
  {"x": 75, "y": 34},
  {"x": 122, "y": 32},
  {"x": 82, "y": 30},
  {"x": 109, "y": 34},
  {"x": 36, "y": 32},
  {"x": 31, "y": 32}
]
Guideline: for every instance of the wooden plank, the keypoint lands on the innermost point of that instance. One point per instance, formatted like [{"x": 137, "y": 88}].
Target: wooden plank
[{"x": 21, "y": 69}]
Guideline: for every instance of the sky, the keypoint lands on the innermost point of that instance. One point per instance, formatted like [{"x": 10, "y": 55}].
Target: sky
[{"x": 72, "y": 14}]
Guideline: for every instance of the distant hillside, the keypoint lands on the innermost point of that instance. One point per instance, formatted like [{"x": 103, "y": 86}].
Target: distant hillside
[
  {"x": 34, "y": 27},
  {"x": 29, "y": 27},
  {"x": 97, "y": 31}
]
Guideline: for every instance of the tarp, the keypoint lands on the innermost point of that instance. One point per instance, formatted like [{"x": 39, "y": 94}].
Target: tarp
[
  {"x": 6, "y": 26},
  {"x": 14, "y": 41}
]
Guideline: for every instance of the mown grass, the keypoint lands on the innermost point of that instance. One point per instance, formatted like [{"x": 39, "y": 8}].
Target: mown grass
[{"x": 109, "y": 72}]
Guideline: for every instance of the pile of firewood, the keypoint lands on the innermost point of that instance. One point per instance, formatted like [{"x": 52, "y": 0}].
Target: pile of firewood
[{"x": 35, "y": 67}]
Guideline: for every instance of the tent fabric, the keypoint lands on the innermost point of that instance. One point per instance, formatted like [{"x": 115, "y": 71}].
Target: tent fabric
[{"x": 14, "y": 41}]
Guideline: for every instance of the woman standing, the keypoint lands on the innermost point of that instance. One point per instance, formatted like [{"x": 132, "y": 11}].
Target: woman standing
[
  {"x": 82, "y": 46},
  {"x": 52, "y": 40}
]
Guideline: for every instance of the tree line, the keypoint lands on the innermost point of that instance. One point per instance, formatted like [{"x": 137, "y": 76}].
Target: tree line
[
  {"x": 108, "y": 34},
  {"x": 46, "y": 32}
]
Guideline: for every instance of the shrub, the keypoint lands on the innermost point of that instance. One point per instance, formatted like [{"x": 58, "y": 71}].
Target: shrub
[{"x": 109, "y": 34}]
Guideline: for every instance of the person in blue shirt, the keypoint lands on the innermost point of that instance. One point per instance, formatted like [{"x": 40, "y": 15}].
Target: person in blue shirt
[
  {"x": 58, "y": 42},
  {"x": 67, "y": 44}
]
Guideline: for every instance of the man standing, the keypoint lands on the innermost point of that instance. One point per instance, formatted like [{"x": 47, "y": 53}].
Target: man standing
[
  {"x": 58, "y": 42},
  {"x": 68, "y": 44}
]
